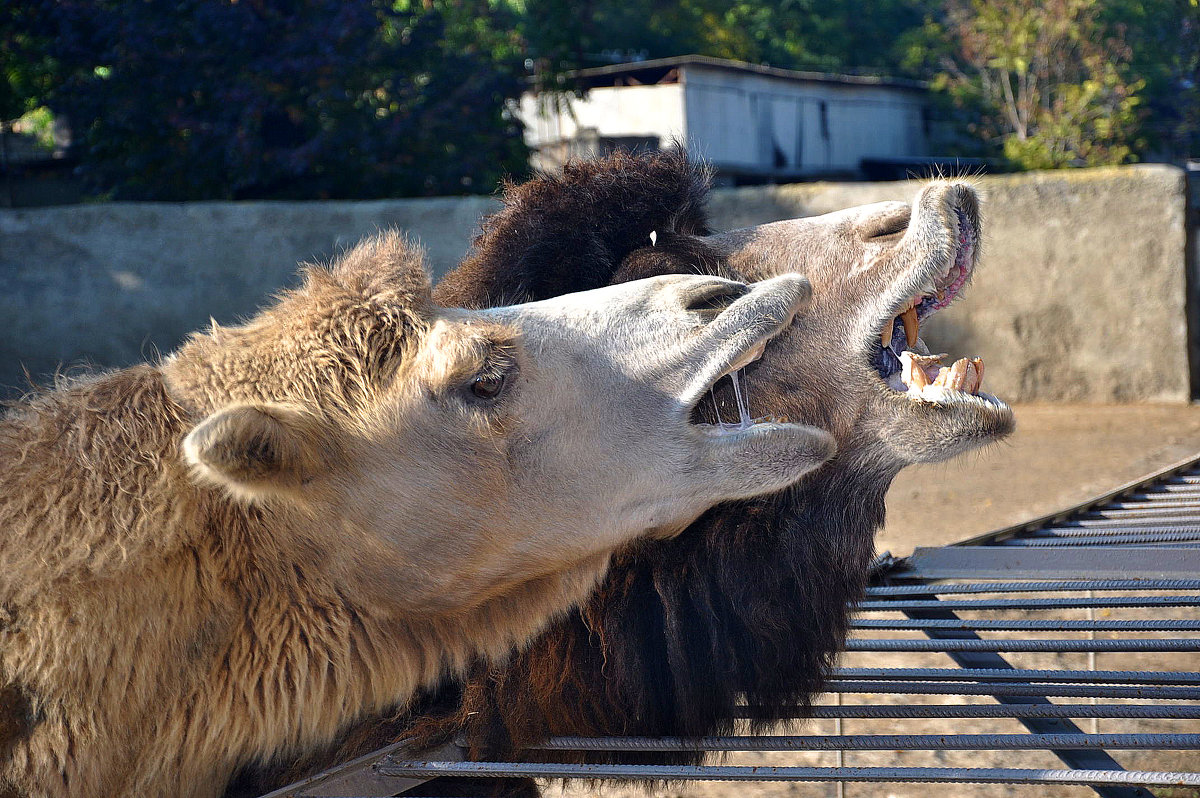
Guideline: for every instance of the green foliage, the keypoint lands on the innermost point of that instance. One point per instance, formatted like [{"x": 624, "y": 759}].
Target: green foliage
[
  {"x": 1164, "y": 39},
  {"x": 823, "y": 34},
  {"x": 1049, "y": 81},
  {"x": 26, "y": 73},
  {"x": 191, "y": 99},
  {"x": 38, "y": 124},
  {"x": 209, "y": 99}
]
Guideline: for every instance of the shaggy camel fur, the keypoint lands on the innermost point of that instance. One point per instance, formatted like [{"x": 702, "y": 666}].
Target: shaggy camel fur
[
  {"x": 749, "y": 604},
  {"x": 230, "y": 555}
]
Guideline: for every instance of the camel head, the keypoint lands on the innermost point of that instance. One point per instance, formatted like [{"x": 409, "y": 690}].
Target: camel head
[
  {"x": 230, "y": 555},
  {"x": 878, "y": 272},
  {"x": 449, "y": 455}
]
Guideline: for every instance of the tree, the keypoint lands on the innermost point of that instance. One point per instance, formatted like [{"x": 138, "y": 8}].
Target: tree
[
  {"x": 1051, "y": 80},
  {"x": 209, "y": 99},
  {"x": 26, "y": 72},
  {"x": 1164, "y": 37},
  {"x": 822, "y": 34}
]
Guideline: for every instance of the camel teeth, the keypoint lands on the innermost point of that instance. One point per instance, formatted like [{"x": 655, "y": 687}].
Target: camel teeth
[
  {"x": 912, "y": 327},
  {"x": 885, "y": 337},
  {"x": 963, "y": 376},
  {"x": 913, "y": 370},
  {"x": 975, "y": 381},
  {"x": 958, "y": 375}
]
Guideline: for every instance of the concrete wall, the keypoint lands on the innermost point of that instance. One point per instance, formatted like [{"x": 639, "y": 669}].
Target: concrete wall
[
  {"x": 112, "y": 284},
  {"x": 1081, "y": 294}
]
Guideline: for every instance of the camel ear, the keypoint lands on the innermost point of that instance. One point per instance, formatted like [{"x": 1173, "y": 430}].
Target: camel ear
[{"x": 258, "y": 450}]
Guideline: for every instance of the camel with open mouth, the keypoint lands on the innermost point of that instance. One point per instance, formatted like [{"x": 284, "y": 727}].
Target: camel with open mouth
[
  {"x": 750, "y": 604},
  {"x": 230, "y": 555}
]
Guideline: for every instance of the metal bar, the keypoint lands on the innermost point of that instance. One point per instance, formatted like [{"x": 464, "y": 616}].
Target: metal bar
[
  {"x": 1116, "y": 507},
  {"x": 1053, "y": 646},
  {"x": 359, "y": 777},
  {"x": 1077, "y": 563},
  {"x": 393, "y": 767},
  {"x": 1076, "y": 602},
  {"x": 1126, "y": 539},
  {"x": 1034, "y": 587},
  {"x": 1010, "y": 674},
  {"x": 1146, "y": 526},
  {"x": 1024, "y": 690},
  {"x": 1029, "y": 625},
  {"x": 1164, "y": 497},
  {"x": 900, "y": 711},
  {"x": 1174, "y": 488},
  {"x": 879, "y": 742},
  {"x": 1012, "y": 562},
  {"x": 979, "y": 661},
  {"x": 1177, "y": 522},
  {"x": 1187, "y": 545}
]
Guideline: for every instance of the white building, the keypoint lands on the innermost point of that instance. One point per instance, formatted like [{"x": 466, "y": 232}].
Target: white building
[{"x": 753, "y": 123}]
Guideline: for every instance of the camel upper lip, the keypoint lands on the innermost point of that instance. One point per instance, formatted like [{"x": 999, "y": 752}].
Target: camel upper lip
[{"x": 900, "y": 356}]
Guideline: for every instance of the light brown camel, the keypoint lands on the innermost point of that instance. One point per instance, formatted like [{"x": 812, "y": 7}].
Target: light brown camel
[{"x": 231, "y": 554}]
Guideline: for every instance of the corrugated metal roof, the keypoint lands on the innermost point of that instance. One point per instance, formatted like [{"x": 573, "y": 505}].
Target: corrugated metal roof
[{"x": 598, "y": 76}]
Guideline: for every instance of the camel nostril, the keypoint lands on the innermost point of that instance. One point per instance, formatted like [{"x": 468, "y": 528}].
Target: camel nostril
[{"x": 716, "y": 297}]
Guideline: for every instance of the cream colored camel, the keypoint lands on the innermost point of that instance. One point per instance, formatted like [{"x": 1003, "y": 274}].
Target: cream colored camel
[{"x": 230, "y": 555}]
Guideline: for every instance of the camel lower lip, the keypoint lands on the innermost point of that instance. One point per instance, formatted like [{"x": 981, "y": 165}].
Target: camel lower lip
[
  {"x": 758, "y": 427},
  {"x": 938, "y": 293}
]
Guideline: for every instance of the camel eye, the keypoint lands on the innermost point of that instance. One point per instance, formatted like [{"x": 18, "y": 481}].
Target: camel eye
[
  {"x": 488, "y": 386},
  {"x": 492, "y": 378}
]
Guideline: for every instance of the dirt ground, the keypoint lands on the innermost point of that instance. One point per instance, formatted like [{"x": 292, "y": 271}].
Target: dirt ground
[{"x": 1059, "y": 456}]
